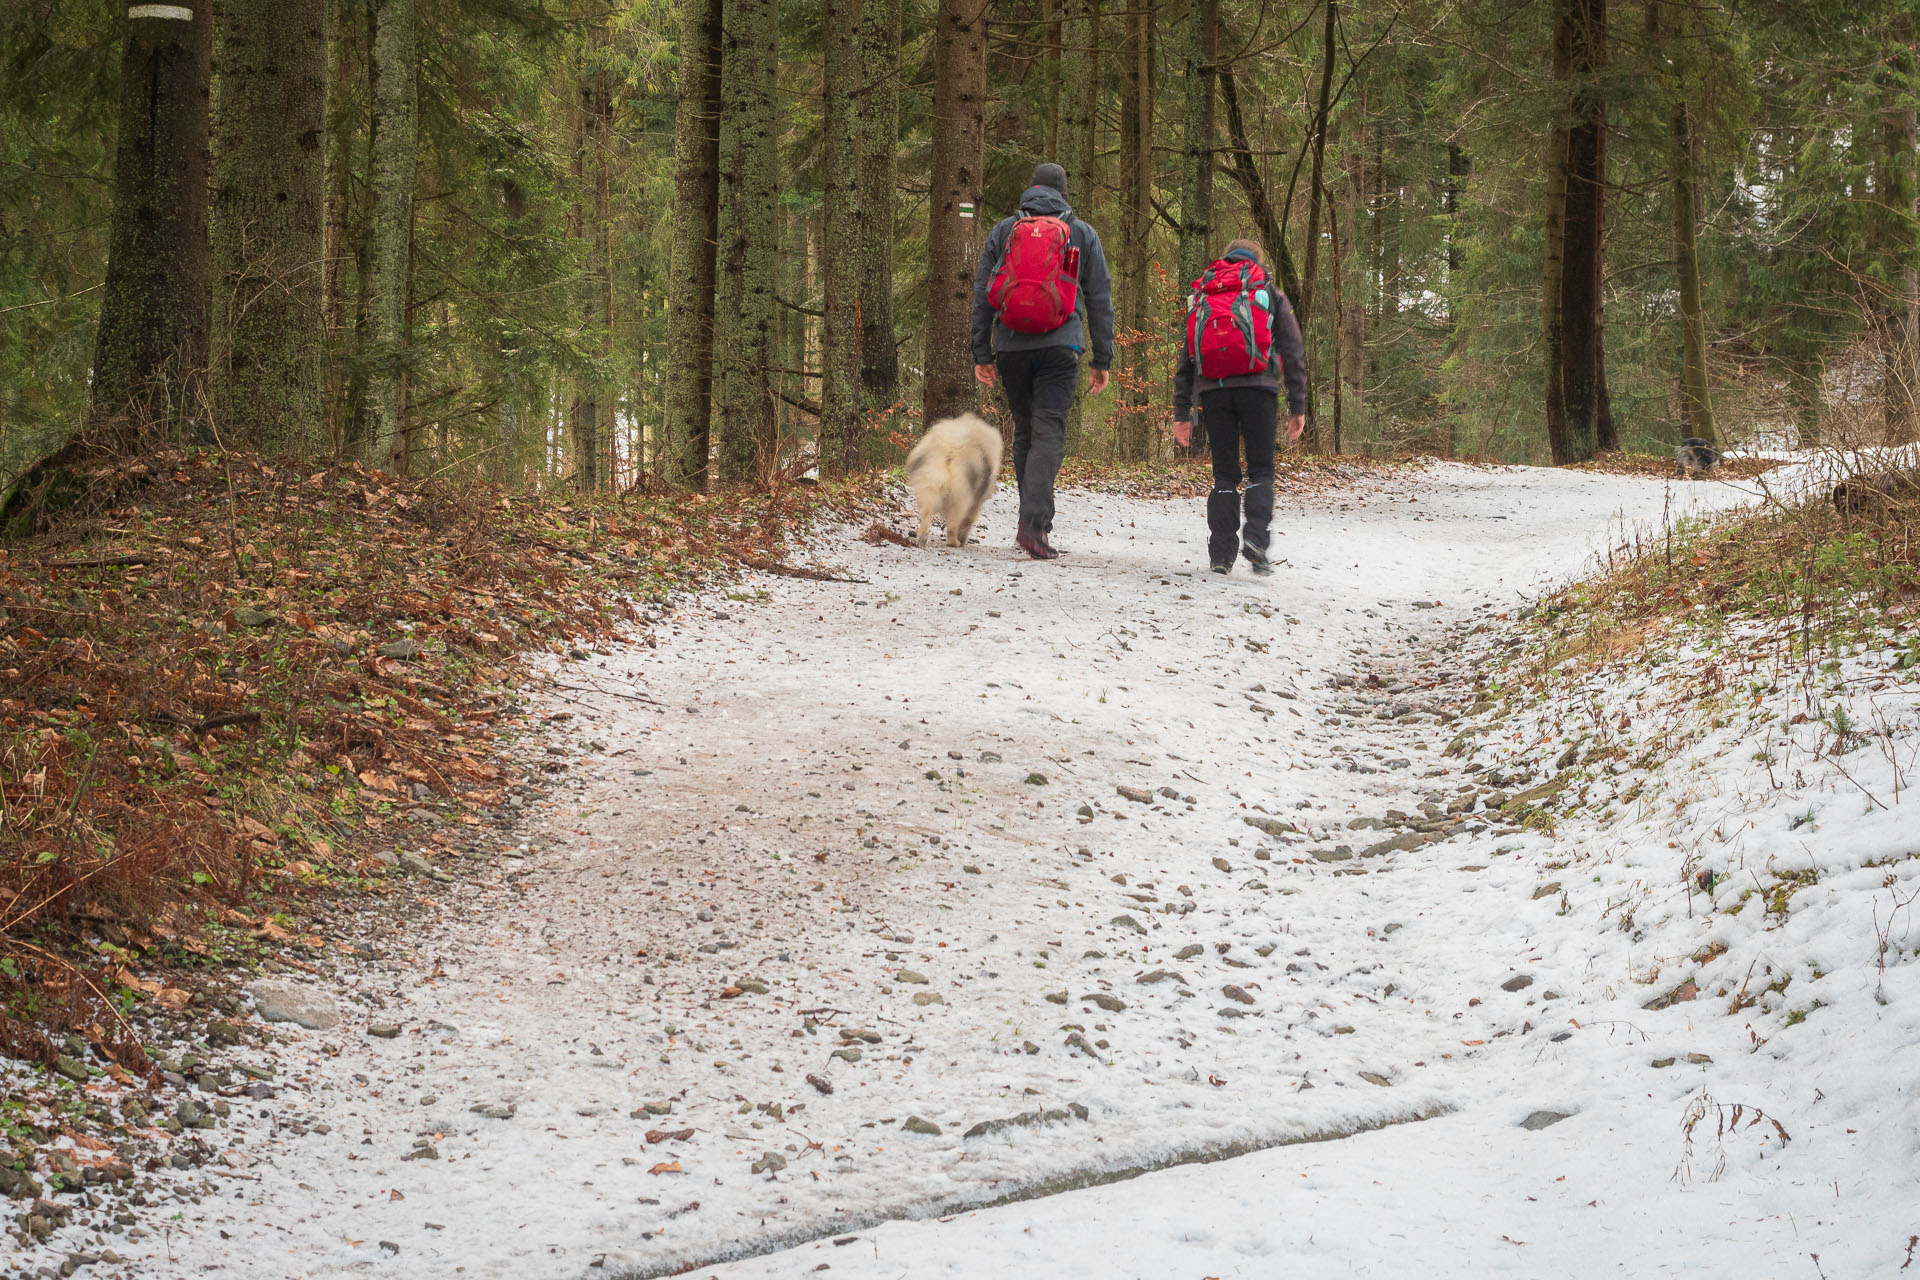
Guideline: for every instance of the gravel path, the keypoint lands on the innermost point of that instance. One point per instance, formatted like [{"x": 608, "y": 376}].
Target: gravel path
[{"x": 977, "y": 879}]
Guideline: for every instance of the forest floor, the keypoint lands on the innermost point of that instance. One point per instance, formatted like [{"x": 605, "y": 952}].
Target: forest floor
[{"x": 846, "y": 910}]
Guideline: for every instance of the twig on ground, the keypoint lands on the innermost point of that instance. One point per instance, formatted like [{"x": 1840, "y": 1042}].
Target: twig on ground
[
  {"x": 128, "y": 560},
  {"x": 794, "y": 571}
]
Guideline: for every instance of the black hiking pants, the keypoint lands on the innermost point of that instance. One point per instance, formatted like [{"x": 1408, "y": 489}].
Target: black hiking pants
[
  {"x": 1040, "y": 384},
  {"x": 1235, "y": 417}
]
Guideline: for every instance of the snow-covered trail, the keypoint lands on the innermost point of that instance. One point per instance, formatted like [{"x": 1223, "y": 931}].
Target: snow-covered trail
[{"x": 873, "y": 836}]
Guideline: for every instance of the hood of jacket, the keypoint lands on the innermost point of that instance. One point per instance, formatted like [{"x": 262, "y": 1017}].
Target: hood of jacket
[{"x": 1045, "y": 201}]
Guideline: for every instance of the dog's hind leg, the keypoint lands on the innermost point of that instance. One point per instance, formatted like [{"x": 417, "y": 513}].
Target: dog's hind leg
[
  {"x": 962, "y": 529},
  {"x": 926, "y": 527}
]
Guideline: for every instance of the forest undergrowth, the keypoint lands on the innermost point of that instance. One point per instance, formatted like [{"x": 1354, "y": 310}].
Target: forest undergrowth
[{"x": 221, "y": 677}]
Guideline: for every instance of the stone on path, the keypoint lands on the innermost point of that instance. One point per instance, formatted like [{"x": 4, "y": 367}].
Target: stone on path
[{"x": 290, "y": 1002}]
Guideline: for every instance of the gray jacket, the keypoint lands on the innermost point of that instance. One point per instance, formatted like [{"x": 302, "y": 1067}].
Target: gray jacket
[{"x": 1093, "y": 311}]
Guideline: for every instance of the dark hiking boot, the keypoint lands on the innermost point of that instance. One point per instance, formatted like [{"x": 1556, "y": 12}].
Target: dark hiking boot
[
  {"x": 1256, "y": 560},
  {"x": 1221, "y": 568},
  {"x": 1035, "y": 544}
]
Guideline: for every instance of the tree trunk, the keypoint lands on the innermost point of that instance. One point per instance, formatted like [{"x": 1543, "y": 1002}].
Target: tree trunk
[
  {"x": 150, "y": 349},
  {"x": 1674, "y": 37},
  {"x": 1458, "y": 167},
  {"x": 1581, "y": 380},
  {"x": 1606, "y": 439},
  {"x": 1050, "y": 77},
  {"x": 1554, "y": 242},
  {"x": 1196, "y": 192},
  {"x": 1246, "y": 175},
  {"x": 1079, "y": 132},
  {"x": 1900, "y": 364},
  {"x": 877, "y": 141},
  {"x": 1339, "y": 311},
  {"x": 592, "y": 436},
  {"x": 1079, "y": 103},
  {"x": 953, "y": 236},
  {"x": 346, "y": 51},
  {"x": 840, "y": 388},
  {"x": 749, "y": 238},
  {"x": 393, "y": 154},
  {"x": 267, "y": 334},
  {"x": 1350, "y": 350},
  {"x": 1136, "y": 152},
  {"x": 696, "y": 213},
  {"x": 1303, "y": 301},
  {"x": 1196, "y": 189}
]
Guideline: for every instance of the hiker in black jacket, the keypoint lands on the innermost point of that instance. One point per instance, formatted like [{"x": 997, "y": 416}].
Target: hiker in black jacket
[
  {"x": 1239, "y": 411},
  {"x": 1041, "y": 369}
]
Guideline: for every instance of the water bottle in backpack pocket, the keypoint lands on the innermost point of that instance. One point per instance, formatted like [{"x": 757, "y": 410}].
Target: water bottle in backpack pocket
[
  {"x": 1038, "y": 282},
  {"x": 1230, "y": 320}
]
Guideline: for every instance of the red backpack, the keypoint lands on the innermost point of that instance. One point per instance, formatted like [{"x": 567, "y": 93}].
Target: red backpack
[
  {"x": 1230, "y": 320},
  {"x": 1038, "y": 282}
]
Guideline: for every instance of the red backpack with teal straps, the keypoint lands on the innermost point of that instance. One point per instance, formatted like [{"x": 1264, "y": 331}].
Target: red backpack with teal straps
[{"x": 1230, "y": 319}]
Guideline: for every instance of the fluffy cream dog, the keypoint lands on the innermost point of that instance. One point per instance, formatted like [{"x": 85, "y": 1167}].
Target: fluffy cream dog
[{"x": 952, "y": 472}]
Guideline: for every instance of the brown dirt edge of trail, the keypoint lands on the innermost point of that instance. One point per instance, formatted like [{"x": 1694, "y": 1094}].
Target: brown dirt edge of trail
[
  {"x": 227, "y": 681},
  {"x": 1039, "y": 1188}
]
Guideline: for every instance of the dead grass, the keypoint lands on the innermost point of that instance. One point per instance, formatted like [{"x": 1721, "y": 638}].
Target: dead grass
[
  {"x": 216, "y": 670},
  {"x": 1829, "y": 572},
  {"x": 1663, "y": 466}
]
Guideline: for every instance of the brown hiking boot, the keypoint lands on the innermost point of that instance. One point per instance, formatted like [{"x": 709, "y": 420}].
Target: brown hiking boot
[{"x": 1035, "y": 544}]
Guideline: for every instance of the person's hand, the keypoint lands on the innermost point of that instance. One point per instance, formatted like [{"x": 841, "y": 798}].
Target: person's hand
[
  {"x": 1097, "y": 383},
  {"x": 983, "y": 374},
  {"x": 1295, "y": 425},
  {"x": 1183, "y": 432}
]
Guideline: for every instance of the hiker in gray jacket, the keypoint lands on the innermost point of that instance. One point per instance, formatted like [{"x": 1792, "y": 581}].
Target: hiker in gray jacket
[{"x": 1023, "y": 330}]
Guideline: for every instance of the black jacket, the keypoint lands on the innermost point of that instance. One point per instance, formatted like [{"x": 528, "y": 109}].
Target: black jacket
[
  {"x": 1288, "y": 360},
  {"x": 1094, "y": 310}
]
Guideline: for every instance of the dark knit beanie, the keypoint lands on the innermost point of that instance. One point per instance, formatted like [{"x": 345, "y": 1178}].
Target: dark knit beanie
[{"x": 1050, "y": 175}]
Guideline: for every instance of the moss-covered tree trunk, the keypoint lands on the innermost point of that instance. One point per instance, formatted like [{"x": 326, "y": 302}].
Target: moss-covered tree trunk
[
  {"x": 268, "y": 334},
  {"x": 876, "y": 123},
  {"x": 1079, "y": 104},
  {"x": 589, "y": 415},
  {"x": 958, "y": 130},
  {"x": 749, "y": 238},
  {"x": 150, "y": 349},
  {"x": 393, "y": 152},
  {"x": 841, "y": 217},
  {"x": 1196, "y": 168},
  {"x": 1673, "y": 34},
  {"x": 1202, "y": 48},
  {"x": 696, "y": 217}
]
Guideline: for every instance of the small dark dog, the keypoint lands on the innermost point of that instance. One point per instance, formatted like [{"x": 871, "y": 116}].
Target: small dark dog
[
  {"x": 1696, "y": 457},
  {"x": 1878, "y": 494}
]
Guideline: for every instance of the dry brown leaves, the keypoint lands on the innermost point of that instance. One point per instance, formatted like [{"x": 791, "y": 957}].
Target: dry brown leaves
[{"x": 216, "y": 665}]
